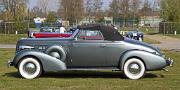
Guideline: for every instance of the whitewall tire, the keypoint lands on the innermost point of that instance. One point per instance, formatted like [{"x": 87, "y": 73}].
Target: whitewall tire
[
  {"x": 30, "y": 68},
  {"x": 134, "y": 68}
]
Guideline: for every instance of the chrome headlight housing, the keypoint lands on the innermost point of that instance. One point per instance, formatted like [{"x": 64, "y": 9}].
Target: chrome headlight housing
[{"x": 23, "y": 47}]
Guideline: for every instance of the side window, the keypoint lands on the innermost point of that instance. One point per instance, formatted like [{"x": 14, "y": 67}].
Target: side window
[
  {"x": 82, "y": 35},
  {"x": 90, "y": 35}
]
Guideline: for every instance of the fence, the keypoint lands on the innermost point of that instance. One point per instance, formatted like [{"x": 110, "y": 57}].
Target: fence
[
  {"x": 169, "y": 28},
  {"x": 12, "y": 27},
  {"x": 23, "y": 27}
]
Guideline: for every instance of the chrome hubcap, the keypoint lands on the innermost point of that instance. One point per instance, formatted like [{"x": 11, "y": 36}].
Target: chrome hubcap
[
  {"x": 134, "y": 68},
  {"x": 30, "y": 68}
]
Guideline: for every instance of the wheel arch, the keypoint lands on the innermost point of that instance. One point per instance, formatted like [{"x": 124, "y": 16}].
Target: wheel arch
[
  {"x": 150, "y": 60},
  {"x": 48, "y": 62},
  {"x": 129, "y": 55}
]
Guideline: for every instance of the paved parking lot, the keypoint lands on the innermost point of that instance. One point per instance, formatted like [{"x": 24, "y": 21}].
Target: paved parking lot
[
  {"x": 167, "y": 43},
  {"x": 7, "y": 46}
]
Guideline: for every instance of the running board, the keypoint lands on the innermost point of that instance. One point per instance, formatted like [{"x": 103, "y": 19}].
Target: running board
[{"x": 113, "y": 69}]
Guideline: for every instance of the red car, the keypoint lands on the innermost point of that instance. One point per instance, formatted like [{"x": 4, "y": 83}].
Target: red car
[
  {"x": 50, "y": 35},
  {"x": 48, "y": 32}
]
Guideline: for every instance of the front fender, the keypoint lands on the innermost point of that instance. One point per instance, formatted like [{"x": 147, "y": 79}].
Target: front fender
[
  {"x": 151, "y": 61},
  {"x": 48, "y": 63}
]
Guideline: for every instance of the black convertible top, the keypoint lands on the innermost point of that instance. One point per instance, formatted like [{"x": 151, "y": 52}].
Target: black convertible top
[{"x": 108, "y": 32}]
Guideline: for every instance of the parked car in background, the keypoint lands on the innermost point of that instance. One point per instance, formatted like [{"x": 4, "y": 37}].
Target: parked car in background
[
  {"x": 135, "y": 34},
  {"x": 49, "y": 32},
  {"x": 91, "y": 47}
]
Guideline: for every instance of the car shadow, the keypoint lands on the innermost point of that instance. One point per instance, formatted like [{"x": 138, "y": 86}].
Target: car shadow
[{"x": 84, "y": 74}]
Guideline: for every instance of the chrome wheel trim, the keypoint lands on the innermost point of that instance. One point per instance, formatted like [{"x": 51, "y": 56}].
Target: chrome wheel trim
[
  {"x": 134, "y": 68},
  {"x": 29, "y": 68}
]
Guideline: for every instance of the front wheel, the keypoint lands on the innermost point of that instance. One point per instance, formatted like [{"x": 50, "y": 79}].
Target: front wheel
[
  {"x": 134, "y": 68},
  {"x": 30, "y": 68}
]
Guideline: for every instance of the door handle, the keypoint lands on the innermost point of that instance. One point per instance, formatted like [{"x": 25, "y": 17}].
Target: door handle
[{"x": 103, "y": 45}]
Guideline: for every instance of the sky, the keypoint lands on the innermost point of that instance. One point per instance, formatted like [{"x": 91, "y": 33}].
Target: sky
[{"x": 53, "y": 4}]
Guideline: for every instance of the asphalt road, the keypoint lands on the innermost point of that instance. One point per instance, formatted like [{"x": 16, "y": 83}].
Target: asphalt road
[{"x": 7, "y": 46}]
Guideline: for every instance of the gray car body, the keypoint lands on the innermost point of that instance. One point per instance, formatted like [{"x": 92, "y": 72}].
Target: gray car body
[{"x": 81, "y": 54}]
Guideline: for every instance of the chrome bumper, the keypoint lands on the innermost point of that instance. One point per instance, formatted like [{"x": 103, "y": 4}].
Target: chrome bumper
[
  {"x": 169, "y": 62},
  {"x": 9, "y": 63}
]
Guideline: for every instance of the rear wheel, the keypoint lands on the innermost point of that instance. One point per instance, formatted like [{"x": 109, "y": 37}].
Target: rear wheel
[
  {"x": 134, "y": 68},
  {"x": 30, "y": 68}
]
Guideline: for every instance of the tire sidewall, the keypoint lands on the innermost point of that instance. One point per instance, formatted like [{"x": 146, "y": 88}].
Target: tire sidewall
[
  {"x": 25, "y": 74},
  {"x": 133, "y": 76}
]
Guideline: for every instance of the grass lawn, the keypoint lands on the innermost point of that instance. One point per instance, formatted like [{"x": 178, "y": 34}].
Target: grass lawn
[
  {"x": 85, "y": 80},
  {"x": 150, "y": 41},
  {"x": 11, "y": 38},
  {"x": 175, "y": 36}
]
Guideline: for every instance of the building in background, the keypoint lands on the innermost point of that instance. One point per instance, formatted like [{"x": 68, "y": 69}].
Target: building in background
[{"x": 151, "y": 19}]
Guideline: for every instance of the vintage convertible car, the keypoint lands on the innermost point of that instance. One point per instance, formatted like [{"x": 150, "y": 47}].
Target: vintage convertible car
[{"x": 91, "y": 47}]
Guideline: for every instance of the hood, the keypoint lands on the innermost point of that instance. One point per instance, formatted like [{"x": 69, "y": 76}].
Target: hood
[{"x": 142, "y": 44}]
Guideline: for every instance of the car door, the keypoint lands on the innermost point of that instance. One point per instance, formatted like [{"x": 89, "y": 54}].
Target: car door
[
  {"x": 88, "y": 50},
  {"x": 114, "y": 50}
]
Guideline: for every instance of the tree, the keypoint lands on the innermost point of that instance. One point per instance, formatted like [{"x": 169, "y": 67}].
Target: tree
[
  {"x": 146, "y": 9},
  {"x": 43, "y": 4},
  {"x": 72, "y": 10},
  {"x": 114, "y": 9},
  {"x": 19, "y": 18},
  {"x": 135, "y": 5},
  {"x": 97, "y": 9},
  {"x": 51, "y": 18},
  {"x": 11, "y": 5},
  {"x": 36, "y": 12},
  {"x": 170, "y": 10},
  {"x": 89, "y": 6},
  {"x": 125, "y": 10}
]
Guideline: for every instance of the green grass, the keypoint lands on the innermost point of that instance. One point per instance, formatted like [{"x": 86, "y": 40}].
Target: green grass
[
  {"x": 174, "y": 36},
  {"x": 89, "y": 80},
  {"x": 11, "y": 38},
  {"x": 151, "y": 41}
]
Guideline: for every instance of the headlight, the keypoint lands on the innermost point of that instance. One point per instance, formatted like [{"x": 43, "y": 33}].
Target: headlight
[{"x": 25, "y": 47}]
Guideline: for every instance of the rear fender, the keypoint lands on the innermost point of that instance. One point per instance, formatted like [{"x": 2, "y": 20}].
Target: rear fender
[
  {"x": 48, "y": 62},
  {"x": 151, "y": 61}
]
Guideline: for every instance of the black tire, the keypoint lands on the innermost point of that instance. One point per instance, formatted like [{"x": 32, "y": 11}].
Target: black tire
[
  {"x": 134, "y": 68},
  {"x": 30, "y": 68},
  {"x": 57, "y": 52}
]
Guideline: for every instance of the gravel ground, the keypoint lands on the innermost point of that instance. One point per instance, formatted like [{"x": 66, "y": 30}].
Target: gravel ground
[
  {"x": 167, "y": 43},
  {"x": 7, "y": 46}
]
